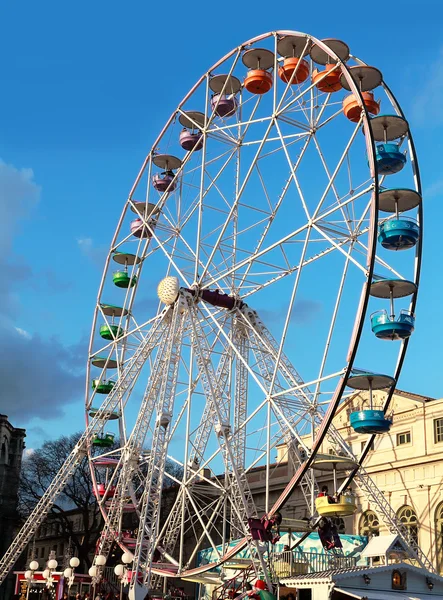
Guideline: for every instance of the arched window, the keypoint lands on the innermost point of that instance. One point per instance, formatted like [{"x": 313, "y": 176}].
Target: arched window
[
  {"x": 4, "y": 451},
  {"x": 439, "y": 536},
  {"x": 399, "y": 580},
  {"x": 369, "y": 524},
  {"x": 340, "y": 524},
  {"x": 408, "y": 517}
]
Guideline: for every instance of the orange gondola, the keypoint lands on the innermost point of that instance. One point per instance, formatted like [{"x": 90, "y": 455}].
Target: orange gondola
[
  {"x": 329, "y": 82},
  {"x": 300, "y": 66},
  {"x": 258, "y": 81},
  {"x": 352, "y": 108}
]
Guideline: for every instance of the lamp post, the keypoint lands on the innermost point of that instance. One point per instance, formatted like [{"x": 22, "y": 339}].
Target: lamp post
[
  {"x": 68, "y": 573},
  {"x": 122, "y": 570},
  {"x": 96, "y": 571},
  {"x": 29, "y": 575},
  {"x": 51, "y": 566}
]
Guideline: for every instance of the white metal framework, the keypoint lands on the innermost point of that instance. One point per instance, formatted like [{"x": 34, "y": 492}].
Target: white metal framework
[{"x": 266, "y": 233}]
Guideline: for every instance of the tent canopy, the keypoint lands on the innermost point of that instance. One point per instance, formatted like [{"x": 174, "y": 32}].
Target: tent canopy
[{"x": 383, "y": 545}]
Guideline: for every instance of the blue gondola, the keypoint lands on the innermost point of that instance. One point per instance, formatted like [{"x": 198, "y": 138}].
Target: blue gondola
[
  {"x": 398, "y": 234},
  {"x": 389, "y": 328},
  {"x": 370, "y": 421},
  {"x": 389, "y": 158}
]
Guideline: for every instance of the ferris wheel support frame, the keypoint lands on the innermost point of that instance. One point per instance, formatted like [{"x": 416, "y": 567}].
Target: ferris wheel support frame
[
  {"x": 174, "y": 526},
  {"x": 132, "y": 450},
  {"x": 238, "y": 480},
  {"x": 239, "y": 483},
  {"x": 370, "y": 253},
  {"x": 150, "y": 501}
]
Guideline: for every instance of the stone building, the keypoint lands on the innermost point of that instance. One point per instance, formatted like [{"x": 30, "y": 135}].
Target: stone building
[
  {"x": 406, "y": 465},
  {"x": 51, "y": 537},
  {"x": 11, "y": 451}
]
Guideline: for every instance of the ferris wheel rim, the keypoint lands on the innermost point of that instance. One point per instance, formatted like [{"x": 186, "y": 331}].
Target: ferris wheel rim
[{"x": 374, "y": 220}]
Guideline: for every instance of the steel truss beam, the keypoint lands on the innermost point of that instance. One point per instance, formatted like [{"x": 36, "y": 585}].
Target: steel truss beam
[
  {"x": 242, "y": 502},
  {"x": 173, "y": 527},
  {"x": 151, "y": 497},
  {"x": 265, "y": 348},
  {"x": 132, "y": 451}
]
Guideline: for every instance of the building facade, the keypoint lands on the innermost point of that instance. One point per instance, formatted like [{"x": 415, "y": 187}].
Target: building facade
[
  {"x": 51, "y": 536},
  {"x": 63, "y": 535},
  {"x": 11, "y": 452},
  {"x": 407, "y": 466}
]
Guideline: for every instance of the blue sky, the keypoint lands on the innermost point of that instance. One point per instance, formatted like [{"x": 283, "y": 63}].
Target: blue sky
[{"x": 86, "y": 87}]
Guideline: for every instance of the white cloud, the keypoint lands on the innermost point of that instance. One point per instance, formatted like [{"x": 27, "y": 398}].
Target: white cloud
[
  {"x": 18, "y": 195},
  {"x": 96, "y": 254},
  {"x": 85, "y": 244},
  {"x": 39, "y": 377},
  {"x": 28, "y": 452},
  {"x": 56, "y": 373},
  {"x": 23, "y": 332}
]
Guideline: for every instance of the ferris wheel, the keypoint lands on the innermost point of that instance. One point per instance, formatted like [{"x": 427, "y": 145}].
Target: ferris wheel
[{"x": 256, "y": 262}]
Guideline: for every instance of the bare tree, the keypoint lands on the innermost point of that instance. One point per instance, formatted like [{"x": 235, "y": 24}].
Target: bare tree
[{"x": 38, "y": 470}]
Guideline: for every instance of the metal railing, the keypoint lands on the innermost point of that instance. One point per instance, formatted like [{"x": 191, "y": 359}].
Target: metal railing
[
  {"x": 292, "y": 563},
  {"x": 109, "y": 582}
]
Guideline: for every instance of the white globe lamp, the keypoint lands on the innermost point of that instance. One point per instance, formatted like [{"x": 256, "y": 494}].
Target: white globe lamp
[
  {"x": 119, "y": 570},
  {"x": 67, "y": 573},
  {"x": 127, "y": 558},
  {"x": 33, "y": 565},
  {"x": 28, "y": 575},
  {"x": 93, "y": 571},
  {"x": 46, "y": 573},
  {"x": 74, "y": 562},
  {"x": 100, "y": 560},
  {"x": 52, "y": 564}
]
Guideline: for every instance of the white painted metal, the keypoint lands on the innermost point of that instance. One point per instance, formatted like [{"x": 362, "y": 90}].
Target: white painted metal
[
  {"x": 242, "y": 221},
  {"x": 151, "y": 497}
]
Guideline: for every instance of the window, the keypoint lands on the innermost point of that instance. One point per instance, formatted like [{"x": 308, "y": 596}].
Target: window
[
  {"x": 363, "y": 444},
  {"x": 369, "y": 524},
  {"x": 438, "y": 430},
  {"x": 340, "y": 524},
  {"x": 399, "y": 580},
  {"x": 3, "y": 453},
  {"x": 408, "y": 518},
  {"x": 403, "y": 438}
]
